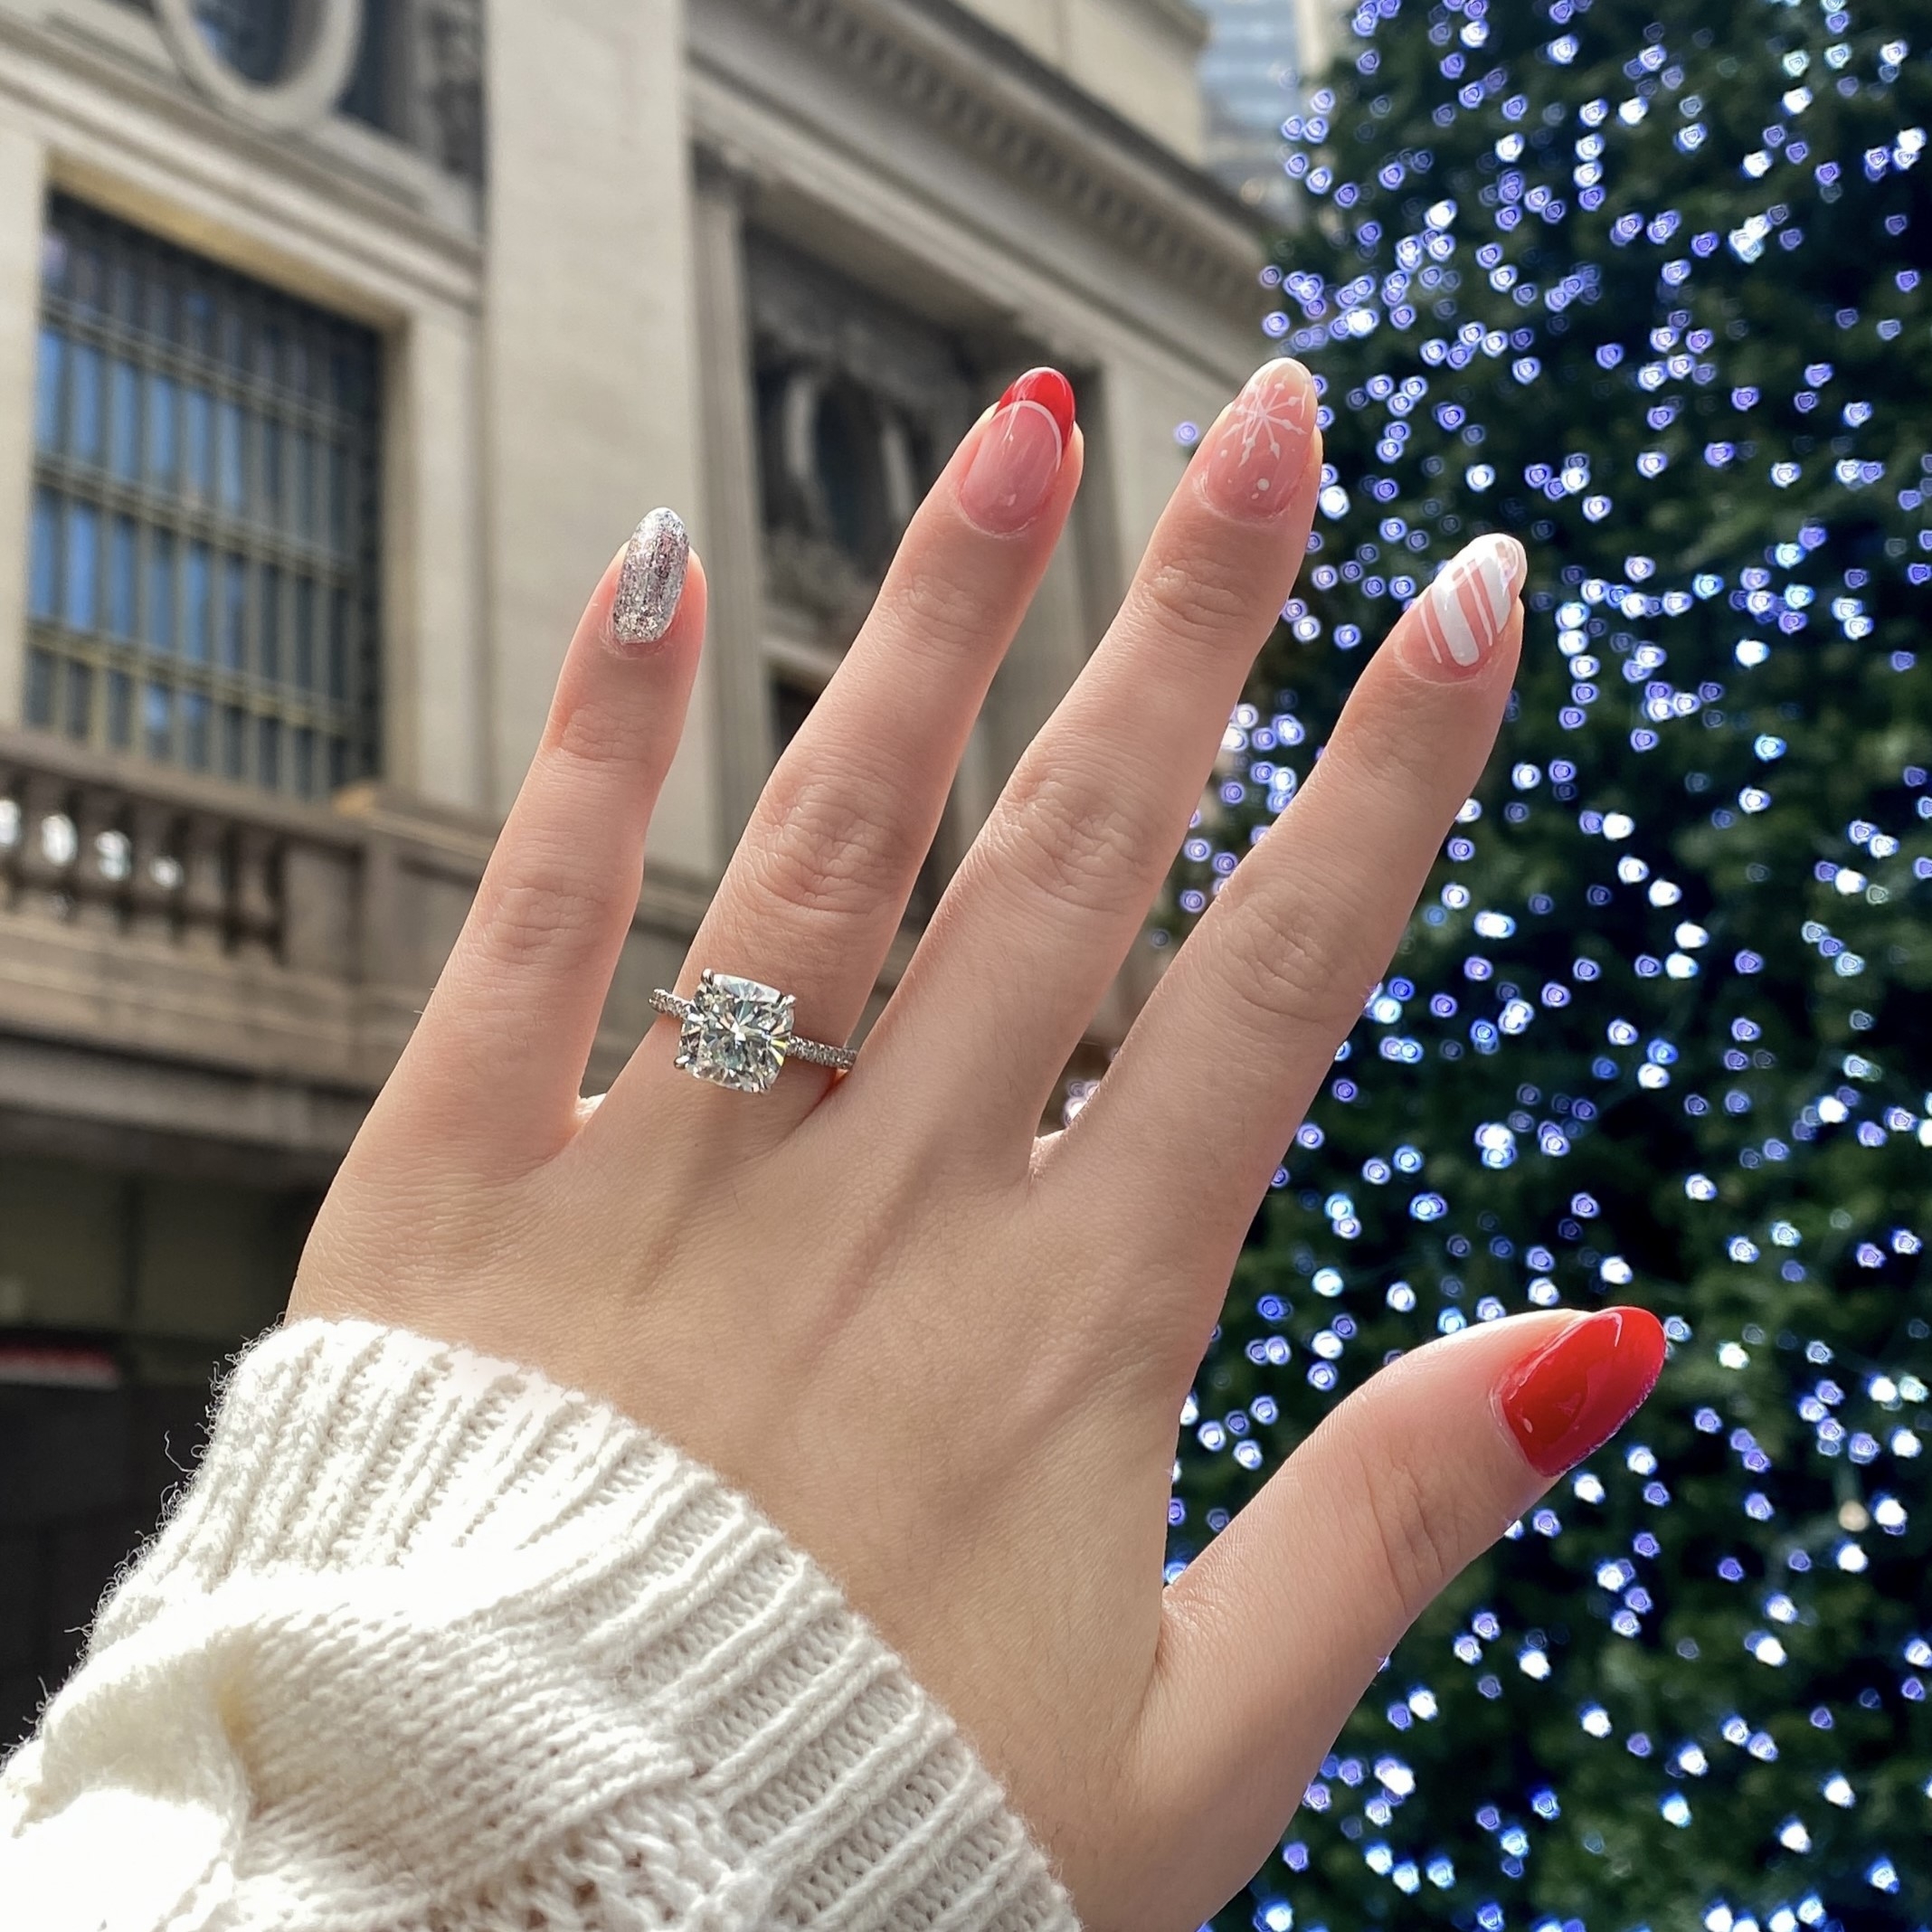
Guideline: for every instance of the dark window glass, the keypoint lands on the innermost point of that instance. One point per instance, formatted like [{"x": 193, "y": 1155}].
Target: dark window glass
[
  {"x": 122, "y": 554},
  {"x": 338, "y": 645},
  {"x": 791, "y": 703},
  {"x": 233, "y": 463},
  {"x": 234, "y": 612},
  {"x": 271, "y": 471},
  {"x": 199, "y": 433},
  {"x": 161, "y": 591},
  {"x": 161, "y": 443},
  {"x": 339, "y": 499},
  {"x": 124, "y": 455},
  {"x": 305, "y": 485},
  {"x": 253, "y": 36},
  {"x": 196, "y": 617},
  {"x": 846, "y": 448},
  {"x": 194, "y": 730},
  {"x": 47, "y": 389},
  {"x": 156, "y": 299},
  {"x": 270, "y": 665},
  {"x": 190, "y": 427},
  {"x": 39, "y": 689},
  {"x": 372, "y": 93},
  {"x": 79, "y": 699},
  {"x": 305, "y": 634},
  {"x": 197, "y": 315},
  {"x": 83, "y": 404},
  {"x": 83, "y": 565},
  {"x": 157, "y": 721},
  {"x": 87, "y": 283},
  {"x": 43, "y": 567}
]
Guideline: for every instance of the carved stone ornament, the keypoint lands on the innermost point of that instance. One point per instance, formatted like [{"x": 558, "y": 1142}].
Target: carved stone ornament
[
  {"x": 818, "y": 317},
  {"x": 446, "y": 84},
  {"x": 324, "y": 36}
]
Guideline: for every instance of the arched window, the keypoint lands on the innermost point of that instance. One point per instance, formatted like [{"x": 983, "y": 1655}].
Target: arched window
[
  {"x": 252, "y": 36},
  {"x": 856, "y": 402}
]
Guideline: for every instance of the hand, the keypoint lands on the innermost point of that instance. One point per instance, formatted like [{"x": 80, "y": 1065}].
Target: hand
[{"x": 946, "y": 1356}]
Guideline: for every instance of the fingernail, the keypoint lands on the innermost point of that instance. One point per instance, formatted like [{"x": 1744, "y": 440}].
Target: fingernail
[
  {"x": 1573, "y": 1394},
  {"x": 1011, "y": 474},
  {"x": 1462, "y": 613},
  {"x": 1259, "y": 445},
  {"x": 650, "y": 581}
]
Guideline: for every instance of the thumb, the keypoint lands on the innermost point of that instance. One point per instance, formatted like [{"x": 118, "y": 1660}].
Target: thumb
[{"x": 1274, "y": 1631}]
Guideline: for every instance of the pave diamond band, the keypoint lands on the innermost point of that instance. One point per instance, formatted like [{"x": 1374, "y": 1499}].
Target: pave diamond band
[{"x": 737, "y": 1033}]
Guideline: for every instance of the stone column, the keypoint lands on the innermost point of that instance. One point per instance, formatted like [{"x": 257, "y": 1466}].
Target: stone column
[
  {"x": 436, "y": 710},
  {"x": 1318, "y": 32},
  {"x": 590, "y": 362},
  {"x": 730, "y": 532},
  {"x": 23, "y": 197}
]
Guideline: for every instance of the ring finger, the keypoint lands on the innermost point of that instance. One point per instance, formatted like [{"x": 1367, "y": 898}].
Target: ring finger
[{"x": 814, "y": 893}]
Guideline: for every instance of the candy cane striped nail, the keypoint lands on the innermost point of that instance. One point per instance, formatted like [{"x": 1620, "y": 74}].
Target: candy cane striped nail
[{"x": 1463, "y": 612}]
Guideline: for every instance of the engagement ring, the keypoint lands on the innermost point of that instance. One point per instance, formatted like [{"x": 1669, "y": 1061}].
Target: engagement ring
[{"x": 737, "y": 1033}]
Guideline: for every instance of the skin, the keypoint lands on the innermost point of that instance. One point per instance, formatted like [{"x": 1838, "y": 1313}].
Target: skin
[{"x": 946, "y": 1356}]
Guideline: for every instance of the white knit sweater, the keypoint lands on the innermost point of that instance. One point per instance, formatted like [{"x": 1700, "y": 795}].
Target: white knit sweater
[{"x": 431, "y": 1644}]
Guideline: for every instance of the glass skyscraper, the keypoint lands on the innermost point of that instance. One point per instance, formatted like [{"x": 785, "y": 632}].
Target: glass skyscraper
[{"x": 1250, "y": 79}]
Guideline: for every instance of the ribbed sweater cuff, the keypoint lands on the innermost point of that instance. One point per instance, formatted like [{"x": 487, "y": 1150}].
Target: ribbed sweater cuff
[{"x": 475, "y": 1647}]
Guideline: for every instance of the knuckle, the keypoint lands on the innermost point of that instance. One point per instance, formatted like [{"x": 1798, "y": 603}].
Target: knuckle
[
  {"x": 1063, "y": 834},
  {"x": 829, "y": 846},
  {"x": 1414, "y": 1537},
  {"x": 1202, "y": 601},
  {"x": 591, "y": 737},
  {"x": 1279, "y": 963},
  {"x": 1389, "y": 766},
  {"x": 556, "y": 918},
  {"x": 937, "y": 612}
]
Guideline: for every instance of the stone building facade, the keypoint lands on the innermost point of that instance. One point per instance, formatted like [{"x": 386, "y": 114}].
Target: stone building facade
[{"x": 340, "y": 346}]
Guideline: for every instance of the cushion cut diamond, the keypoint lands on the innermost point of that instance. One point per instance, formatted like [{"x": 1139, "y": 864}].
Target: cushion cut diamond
[{"x": 736, "y": 1032}]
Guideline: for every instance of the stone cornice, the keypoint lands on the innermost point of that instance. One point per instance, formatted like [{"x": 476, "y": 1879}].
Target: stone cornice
[
  {"x": 982, "y": 92},
  {"x": 1181, "y": 15},
  {"x": 124, "y": 132}
]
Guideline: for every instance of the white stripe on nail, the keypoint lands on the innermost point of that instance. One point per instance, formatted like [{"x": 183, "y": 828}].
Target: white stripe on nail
[
  {"x": 1462, "y": 612},
  {"x": 1052, "y": 420}
]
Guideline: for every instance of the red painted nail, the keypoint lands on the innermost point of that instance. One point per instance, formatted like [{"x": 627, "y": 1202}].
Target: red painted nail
[
  {"x": 1575, "y": 1393},
  {"x": 1011, "y": 474},
  {"x": 1051, "y": 391}
]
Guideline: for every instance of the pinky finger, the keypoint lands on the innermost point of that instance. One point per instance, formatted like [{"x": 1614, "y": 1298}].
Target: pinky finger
[{"x": 499, "y": 1057}]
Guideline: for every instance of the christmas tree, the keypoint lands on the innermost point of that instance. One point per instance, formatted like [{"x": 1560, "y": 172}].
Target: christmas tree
[{"x": 1648, "y": 294}]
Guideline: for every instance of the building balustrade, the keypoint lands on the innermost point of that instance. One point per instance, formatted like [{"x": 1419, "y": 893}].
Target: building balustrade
[{"x": 148, "y": 912}]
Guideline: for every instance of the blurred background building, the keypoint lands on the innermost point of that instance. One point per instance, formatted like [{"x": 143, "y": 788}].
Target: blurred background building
[
  {"x": 340, "y": 346},
  {"x": 1251, "y": 71}
]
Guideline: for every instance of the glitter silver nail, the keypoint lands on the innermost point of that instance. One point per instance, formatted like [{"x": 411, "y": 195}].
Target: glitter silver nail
[{"x": 650, "y": 581}]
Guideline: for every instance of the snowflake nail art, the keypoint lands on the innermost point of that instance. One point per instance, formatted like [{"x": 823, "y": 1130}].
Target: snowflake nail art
[{"x": 1257, "y": 450}]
